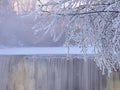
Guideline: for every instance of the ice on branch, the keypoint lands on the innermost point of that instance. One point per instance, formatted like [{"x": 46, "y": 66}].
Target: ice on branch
[{"x": 85, "y": 23}]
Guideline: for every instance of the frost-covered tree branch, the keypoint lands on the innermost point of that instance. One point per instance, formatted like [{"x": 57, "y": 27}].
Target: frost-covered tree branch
[{"x": 86, "y": 23}]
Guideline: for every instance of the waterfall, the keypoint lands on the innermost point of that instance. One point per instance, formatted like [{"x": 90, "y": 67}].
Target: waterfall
[{"x": 53, "y": 73}]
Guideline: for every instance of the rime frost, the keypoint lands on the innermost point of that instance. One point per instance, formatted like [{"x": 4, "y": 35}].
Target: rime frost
[{"x": 85, "y": 23}]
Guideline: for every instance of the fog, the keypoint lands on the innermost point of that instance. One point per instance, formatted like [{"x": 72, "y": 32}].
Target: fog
[{"x": 16, "y": 31}]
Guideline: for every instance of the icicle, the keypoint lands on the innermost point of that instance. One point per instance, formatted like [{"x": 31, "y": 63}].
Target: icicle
[{"x": 109, "y": 73}]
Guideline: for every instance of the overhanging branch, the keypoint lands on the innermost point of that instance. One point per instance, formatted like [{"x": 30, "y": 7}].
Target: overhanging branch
[{"x": 84, "y": 13}]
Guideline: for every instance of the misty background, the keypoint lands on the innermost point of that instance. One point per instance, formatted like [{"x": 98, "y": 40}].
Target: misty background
[{"x": 16, "y": 30}]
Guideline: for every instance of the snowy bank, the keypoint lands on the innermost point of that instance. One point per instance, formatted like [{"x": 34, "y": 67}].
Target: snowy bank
[{"x": 42, "y": 51}]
